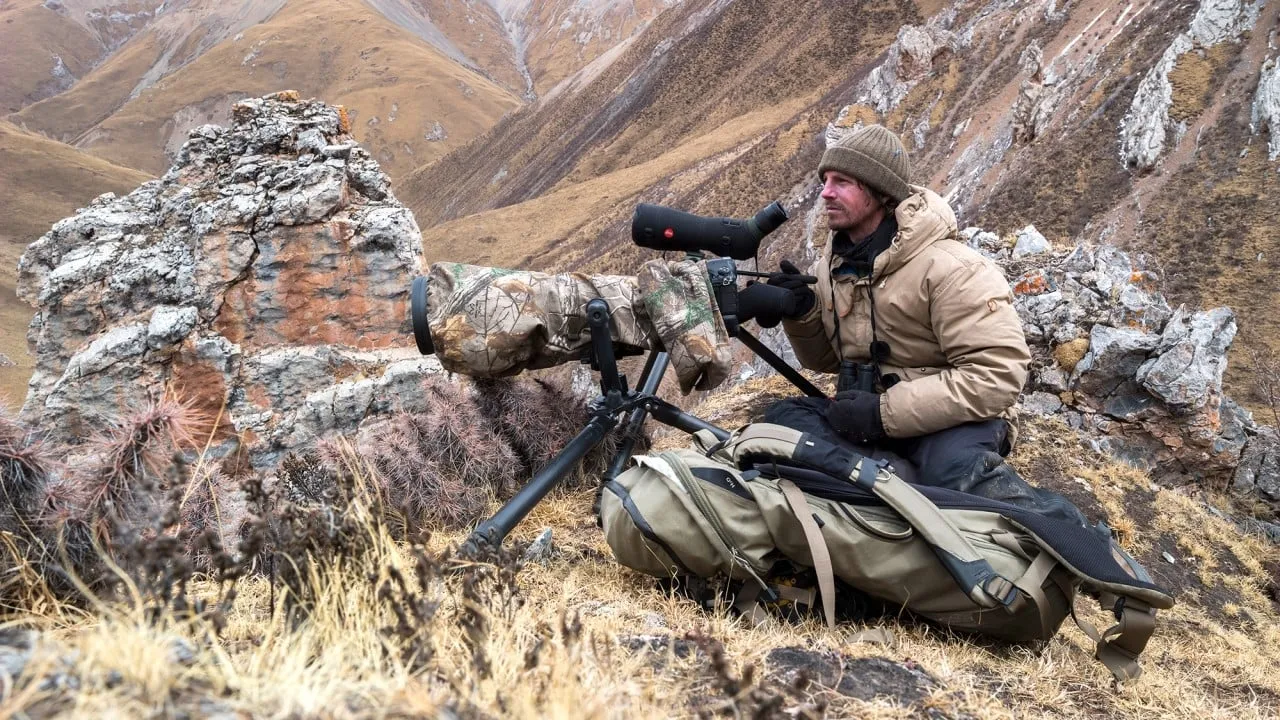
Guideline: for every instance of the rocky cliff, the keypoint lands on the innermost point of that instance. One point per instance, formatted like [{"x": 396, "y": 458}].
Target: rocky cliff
[{"x": 263, "y": 280}]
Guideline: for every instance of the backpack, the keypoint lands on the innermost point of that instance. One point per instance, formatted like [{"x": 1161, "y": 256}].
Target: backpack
[{"x": 771, "y": 497}]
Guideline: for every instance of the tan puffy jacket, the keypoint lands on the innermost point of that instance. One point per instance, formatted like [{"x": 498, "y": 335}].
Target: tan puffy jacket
[{"x": 946, "y": 312}]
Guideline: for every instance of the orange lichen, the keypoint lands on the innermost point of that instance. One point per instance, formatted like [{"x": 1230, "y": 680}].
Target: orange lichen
[
  {"x": 1033, "y": 285},
  {"x": 344, "y": 120}
]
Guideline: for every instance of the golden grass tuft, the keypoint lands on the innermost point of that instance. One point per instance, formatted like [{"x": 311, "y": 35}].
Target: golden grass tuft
[{"x": 1069, "y": 354}]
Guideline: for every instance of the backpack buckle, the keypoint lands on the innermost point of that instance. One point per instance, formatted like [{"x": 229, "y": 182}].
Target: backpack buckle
[{"x": 1005, "y": 592}]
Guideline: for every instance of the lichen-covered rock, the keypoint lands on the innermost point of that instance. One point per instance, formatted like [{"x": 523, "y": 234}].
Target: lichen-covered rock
[
  {"x": 907, "y": 61},
  {"x": 1192, "y": 357},
  {"x": 1145, "y": 128},
  {"x": 1259, "y": 469},
  {"x": 1041, "y": 403},
  {"x": 1115, "y": 354},
  {"x": 1030, "y": 242},
  {"x": 263, "y": 277},
  {"x": 1266, "y": 106}
]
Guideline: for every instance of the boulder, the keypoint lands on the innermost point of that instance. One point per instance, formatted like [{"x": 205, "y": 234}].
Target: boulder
[
  {"x": 1265, "y": 114},
  {"x": 1115, "y": 355},
  {"x": 1030, "y": 242},
  {"x": 1190, "y": 359},
  {"x": 264, "y": 279},
  {"x": 1259, "y": 468}
]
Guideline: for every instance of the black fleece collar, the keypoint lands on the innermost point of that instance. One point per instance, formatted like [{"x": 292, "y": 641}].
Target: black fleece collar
[{"x": 859, "y": 258}]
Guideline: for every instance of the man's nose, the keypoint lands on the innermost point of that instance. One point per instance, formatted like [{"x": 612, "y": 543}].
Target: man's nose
[{"x": 827, "y": 192}]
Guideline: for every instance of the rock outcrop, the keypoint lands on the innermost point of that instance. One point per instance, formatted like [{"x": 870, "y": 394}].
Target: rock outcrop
[
  {"x": 1143, "y": 379},
  {"x": 1265, "y": 114},
  {"x": 1144, "y": 131},
  {"x": 264, "y": 279}
]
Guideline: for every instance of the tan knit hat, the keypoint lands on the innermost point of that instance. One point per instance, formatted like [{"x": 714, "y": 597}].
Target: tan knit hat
[{"x": 875, "y": 156}]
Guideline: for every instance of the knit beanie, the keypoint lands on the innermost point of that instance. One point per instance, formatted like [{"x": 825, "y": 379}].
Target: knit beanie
[{"x": 873, "y": 155}]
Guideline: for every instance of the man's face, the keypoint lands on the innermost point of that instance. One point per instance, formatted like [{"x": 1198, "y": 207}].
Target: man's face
[{"x": 850, "y": 206}]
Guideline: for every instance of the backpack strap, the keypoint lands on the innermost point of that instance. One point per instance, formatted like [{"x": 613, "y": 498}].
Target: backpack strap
[
  {"x": 748, "y": 602},
  {"x": 966, "y": 565},
  {"x": 1031, "y": 582},
  {"x": 1119, "y": 646},
  {"x": 818, "y": 550}
]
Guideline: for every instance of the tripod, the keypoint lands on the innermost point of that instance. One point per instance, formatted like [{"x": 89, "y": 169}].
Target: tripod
[{"x": 617, "y": 400}]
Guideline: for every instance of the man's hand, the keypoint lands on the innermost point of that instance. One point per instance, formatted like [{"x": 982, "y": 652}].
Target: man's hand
[
  {"x": 766, "y": 304},
  {"x": 789, "y": 278},
  {"x": 855, "y": 414}
]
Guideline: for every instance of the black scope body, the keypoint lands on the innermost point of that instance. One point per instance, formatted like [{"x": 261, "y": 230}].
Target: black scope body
[{"x": 662, "y": 228}]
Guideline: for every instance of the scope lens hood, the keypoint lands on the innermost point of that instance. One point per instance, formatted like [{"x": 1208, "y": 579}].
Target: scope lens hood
[{"x": 418, "y": 307}]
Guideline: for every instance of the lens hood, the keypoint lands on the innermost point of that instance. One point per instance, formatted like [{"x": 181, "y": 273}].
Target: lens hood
[{"x": 418, "y": 307}]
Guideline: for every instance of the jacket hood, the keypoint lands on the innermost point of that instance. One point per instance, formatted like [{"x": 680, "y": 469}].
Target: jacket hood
[{"x": 924, "y": 218}]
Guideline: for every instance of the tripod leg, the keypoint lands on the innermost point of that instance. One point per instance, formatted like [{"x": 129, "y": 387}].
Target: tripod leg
[
  {"x": 790, "y": 373},
  {"x": 654, "y": 369},
  {"x": 493, "y": 531},
  {"x": 668, "y": 414}
]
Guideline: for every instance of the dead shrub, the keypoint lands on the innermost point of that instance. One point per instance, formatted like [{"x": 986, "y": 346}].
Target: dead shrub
[
  {"x": 443, "y": 466},
  {"x": 538, "y": 418}
]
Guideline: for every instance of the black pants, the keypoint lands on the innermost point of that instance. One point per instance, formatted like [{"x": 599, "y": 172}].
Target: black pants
[{"x": 968, "y": 458}]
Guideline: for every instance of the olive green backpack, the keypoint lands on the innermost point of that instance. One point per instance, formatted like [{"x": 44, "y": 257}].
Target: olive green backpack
[{"x": 772, "y": 496}]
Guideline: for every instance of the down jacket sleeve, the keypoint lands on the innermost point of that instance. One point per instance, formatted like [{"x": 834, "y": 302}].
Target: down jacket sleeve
[{"x": 980, "y": 334}]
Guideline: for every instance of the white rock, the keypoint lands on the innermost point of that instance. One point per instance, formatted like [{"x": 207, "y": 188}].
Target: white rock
[
  {"x": 1030, "y": 242},
  {"x": 1266, "y": 107},
  {"x": 1145, "y": 128},
  {"x": 170, "y": 325}
]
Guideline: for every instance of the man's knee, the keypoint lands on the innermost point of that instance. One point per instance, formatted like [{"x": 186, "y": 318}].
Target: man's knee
[{"x": 951, "y": 453}]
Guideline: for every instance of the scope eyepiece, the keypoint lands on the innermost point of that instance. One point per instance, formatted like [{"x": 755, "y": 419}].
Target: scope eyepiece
[
  {"x": 769, "y": 218},
  {"x": 662, "y": 228}
]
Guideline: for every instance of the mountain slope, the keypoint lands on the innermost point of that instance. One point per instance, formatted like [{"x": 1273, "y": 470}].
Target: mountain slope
[
  {"x": 696, "y": 67},
  {"x": 171, "y": 35},
  {"x": 42, "y": 182},
  {"x": 1151, "y": 125},
  {"x": 555, "y": 38},
  {"x": 409, "y": 102},
  {"x": 42, "y": 52}
]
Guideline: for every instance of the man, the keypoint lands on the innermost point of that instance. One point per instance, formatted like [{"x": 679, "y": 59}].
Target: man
[{"x": 933, "y": 318}]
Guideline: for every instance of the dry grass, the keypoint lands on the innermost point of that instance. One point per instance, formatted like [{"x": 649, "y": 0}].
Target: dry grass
[{"x": 393, "y": 629}]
